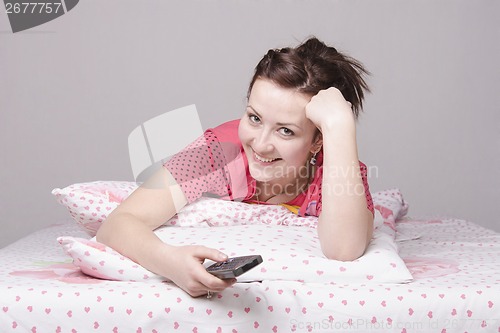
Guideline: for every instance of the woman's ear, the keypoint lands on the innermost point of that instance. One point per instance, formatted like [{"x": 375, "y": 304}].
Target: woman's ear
[{"x": 318, "y": 142}]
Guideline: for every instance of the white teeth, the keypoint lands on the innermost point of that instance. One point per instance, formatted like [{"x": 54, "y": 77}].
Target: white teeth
[{"x": 265, "y": 160}]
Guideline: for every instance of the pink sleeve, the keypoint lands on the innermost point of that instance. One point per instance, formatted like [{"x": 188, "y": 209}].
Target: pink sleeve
[
  {"x": 211, "y": 165},
  {"x": 364, "y": 176},
  {"x": 200, "y": 168}
]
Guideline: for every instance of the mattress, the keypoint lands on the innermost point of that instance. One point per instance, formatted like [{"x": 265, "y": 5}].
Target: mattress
[{"x": 455, "y": 287}]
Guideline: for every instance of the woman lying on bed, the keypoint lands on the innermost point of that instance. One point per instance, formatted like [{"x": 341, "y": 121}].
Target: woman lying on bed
[{"x": 295, "y": 145}]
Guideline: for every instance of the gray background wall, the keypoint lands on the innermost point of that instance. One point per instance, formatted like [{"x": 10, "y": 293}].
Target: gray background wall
[{"x": 72, "y": 89}]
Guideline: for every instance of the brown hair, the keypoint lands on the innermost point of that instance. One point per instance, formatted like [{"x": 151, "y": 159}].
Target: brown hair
[{"x": 313, "y": 66}]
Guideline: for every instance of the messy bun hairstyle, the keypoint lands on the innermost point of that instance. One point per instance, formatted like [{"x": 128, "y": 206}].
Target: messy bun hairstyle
[{"x": 313, "y": 66}]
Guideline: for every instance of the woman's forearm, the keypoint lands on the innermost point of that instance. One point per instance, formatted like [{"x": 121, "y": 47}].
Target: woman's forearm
[
  {"x": 129, "y": 228},
  {"x": 134, "y": 239},
  {"x": 345, "y": 224}
]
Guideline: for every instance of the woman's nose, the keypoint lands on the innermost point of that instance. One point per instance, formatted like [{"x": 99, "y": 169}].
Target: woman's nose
[{"x": 263, "y": 142}]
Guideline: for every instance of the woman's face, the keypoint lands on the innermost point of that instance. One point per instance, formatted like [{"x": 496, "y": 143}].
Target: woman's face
[{"x": 276, "y": 135}]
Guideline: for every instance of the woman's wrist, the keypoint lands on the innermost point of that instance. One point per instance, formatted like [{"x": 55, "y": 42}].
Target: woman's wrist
[
  {"x": 334, "y": 130},
  {"x": 342, "y": 121},
  {"x": 160, "y": 259}
]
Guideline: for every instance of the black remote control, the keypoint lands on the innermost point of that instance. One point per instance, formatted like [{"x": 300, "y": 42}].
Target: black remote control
[{"x": 234, "y": 266}]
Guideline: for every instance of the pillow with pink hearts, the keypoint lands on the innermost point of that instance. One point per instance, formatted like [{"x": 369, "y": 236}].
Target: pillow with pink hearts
[
  {"x": 290, "y": 253},
  {"x": 288, "y": 243},
  {"x": 90, "y": 203}
]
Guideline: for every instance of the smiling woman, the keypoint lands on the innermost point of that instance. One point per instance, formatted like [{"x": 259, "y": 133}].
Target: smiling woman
[{"x": 297, "y": 132}]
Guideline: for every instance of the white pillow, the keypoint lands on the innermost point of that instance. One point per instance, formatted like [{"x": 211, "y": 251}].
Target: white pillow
[
  {"x": 288, "y": 244},
  {"x": 90, "y": 203}
]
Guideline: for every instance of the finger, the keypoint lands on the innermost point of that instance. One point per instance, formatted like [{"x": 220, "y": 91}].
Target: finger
[
  {"x": 204, "y": 252},
  {"x": 218, "y": 285},
  {"x": 212, "y": 282},
  {"x": 204, "y": 278},
  {"x": 203, "y": 282}
]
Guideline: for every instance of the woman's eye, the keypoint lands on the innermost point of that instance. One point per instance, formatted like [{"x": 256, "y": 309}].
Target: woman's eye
[
  {"x": 286, "y": 131},
  {"x": 253, "y": 118}
]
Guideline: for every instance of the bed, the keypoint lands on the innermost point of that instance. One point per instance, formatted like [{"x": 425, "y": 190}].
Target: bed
[{"x": 418, "y": 275}]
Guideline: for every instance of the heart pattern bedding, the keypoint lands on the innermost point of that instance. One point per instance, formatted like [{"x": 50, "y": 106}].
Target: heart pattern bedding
[{"x": 288, "y": 243}]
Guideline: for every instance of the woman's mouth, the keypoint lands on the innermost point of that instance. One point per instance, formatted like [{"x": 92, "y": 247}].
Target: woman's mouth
[{"x": 263, "y": 159}]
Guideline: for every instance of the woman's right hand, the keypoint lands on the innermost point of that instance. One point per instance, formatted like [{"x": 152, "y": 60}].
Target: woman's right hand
[
  {"x": 129, "y": 230},
  {"x": 186, "y": 269}
]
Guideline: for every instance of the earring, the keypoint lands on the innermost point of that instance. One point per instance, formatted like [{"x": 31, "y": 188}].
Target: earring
[{"x": 312, "y": 161}]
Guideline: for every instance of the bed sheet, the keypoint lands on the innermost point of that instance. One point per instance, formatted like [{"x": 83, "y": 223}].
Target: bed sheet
[{"x": 456, "y": 288}]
